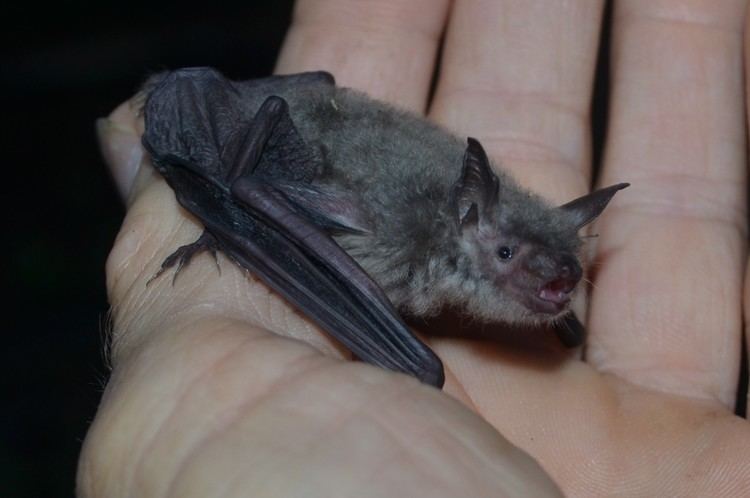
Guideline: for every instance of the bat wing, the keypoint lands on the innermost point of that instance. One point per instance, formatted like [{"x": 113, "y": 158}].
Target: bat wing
[
  {"x": 248, "y": 183},
  {"x": 570, "y": 331}
]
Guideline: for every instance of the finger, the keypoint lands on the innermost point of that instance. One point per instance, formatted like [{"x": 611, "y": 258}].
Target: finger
[
  {"x": 385, "y": 47},
  {"x": 120, "y": 145},
  {"x": 666, "y": 306},
  {"x": 518, "y": 75}
]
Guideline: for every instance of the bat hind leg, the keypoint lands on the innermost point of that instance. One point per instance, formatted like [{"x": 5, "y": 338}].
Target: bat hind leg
[{"x": 182, "y": 256}]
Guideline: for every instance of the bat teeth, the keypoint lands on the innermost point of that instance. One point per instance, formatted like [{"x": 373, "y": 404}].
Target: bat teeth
[
  {"x": 557, "y": 291},
  {"x": 554, "y": 296}
]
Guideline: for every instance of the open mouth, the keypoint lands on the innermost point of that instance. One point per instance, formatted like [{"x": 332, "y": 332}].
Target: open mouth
[
  {"x": 553, "y": 297},
  {"x": 557, "y": 291}
]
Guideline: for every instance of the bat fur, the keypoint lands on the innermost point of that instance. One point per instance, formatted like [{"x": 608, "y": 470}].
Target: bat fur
[{"x": 425, "y": 214}]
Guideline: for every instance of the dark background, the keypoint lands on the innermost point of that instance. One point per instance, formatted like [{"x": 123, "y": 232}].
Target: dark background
[{"x": 61, "y": 69}]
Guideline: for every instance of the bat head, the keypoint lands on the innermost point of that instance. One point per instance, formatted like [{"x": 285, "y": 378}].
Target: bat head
[{"x": 521, "y": 254}]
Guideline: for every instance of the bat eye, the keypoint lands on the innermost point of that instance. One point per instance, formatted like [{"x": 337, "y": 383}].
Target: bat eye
[{"x": 505, "y": 253}]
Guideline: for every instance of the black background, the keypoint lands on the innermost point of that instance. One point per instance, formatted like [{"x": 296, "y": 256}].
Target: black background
[{"x": 62, "y": 68}]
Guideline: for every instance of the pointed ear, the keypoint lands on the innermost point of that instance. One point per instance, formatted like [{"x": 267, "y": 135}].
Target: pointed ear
[
  {"x": 476, "y": 189},
  {"x": 585, "y": 209}
]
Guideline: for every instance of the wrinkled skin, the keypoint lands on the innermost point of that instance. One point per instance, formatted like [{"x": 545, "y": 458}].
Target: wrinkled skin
[{"x": 219, "y": 389}]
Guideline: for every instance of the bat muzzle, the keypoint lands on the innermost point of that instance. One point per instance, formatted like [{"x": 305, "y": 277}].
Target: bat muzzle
[
  {"x": 557, "y": 277},
  {"x": 558, "y": 290}
]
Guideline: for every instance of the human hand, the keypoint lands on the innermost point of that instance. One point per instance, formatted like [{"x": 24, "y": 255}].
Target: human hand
[{"x": 218, "y": 387}]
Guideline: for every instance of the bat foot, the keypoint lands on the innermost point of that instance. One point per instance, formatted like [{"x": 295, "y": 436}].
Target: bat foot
[{"x": 184, "y": 254}]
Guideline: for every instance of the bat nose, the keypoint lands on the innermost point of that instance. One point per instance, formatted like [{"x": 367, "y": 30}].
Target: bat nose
[
  {"x": 569, "y": 269},
  {"x": 546, "y": 266}
]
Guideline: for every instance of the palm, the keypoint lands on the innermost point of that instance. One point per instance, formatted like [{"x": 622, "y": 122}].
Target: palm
[{"x": 240, "y": 406}]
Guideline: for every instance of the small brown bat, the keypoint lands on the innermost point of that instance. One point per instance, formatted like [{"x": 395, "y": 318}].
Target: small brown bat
[{"x": 352, "y": 209}]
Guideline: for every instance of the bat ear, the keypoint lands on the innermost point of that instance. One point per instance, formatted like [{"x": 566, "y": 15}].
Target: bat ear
[
  {"x": 585, "y": 209},
  {"x": 476, "y": 189}
]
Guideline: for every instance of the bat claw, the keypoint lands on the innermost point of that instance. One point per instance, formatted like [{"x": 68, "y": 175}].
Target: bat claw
[
  {"x": 215, "y": 255},
  {"x": 184, "y": 254}
]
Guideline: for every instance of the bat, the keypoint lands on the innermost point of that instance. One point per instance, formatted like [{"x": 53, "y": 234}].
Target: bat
[{"x": 355, "y": 211}]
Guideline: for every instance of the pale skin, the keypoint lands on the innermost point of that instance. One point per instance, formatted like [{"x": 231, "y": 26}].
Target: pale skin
[{"x": 220, "y": 389}]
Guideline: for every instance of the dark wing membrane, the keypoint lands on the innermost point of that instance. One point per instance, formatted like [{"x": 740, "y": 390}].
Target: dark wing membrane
[
  {"x": 331, "y": 287},
  {"x": 254, "y": 223},
  {"x": 199, "y": 116}
]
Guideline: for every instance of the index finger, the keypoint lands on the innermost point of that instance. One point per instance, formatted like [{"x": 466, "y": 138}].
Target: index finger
[{"x": 385, "y": 48}]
